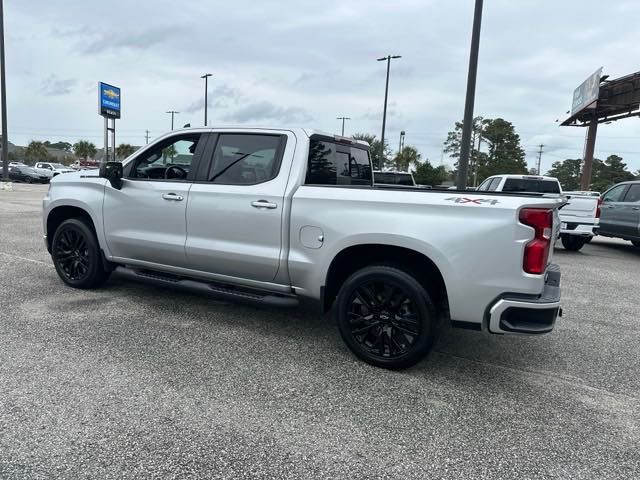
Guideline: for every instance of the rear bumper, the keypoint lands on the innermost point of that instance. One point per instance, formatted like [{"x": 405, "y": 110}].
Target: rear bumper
[
  {"x": 528, "y": 314},
  {"x": 582, "y": 229}
]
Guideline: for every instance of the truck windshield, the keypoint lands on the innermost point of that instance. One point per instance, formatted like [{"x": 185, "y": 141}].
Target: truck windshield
[{"x": 531, "y": 185}]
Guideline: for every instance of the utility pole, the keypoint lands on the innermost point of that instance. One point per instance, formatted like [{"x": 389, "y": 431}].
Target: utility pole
[
  {"x": 467, "y": 124},
  {"x": 206, "y": 77},
  {"x": 146, "y": 136},
  {"x": 384, "y": 114},
  {"x": 539, "y": 158},
  {"x": 343, "y": 119},
  {"x": 3, "y": 99},
  {"x": 172, "y": 112}
]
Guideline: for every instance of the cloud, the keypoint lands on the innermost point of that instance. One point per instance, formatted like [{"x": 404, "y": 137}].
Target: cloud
[
  {"x": 220, "y": 97},
  {"x": 267, "y": 111},
  {"x": 110, "y": 40},
  {"x": 53, "y": 85}
]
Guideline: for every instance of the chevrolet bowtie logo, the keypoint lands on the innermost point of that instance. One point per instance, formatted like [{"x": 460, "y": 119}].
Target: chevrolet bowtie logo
[{"x": 111, "y": 94}]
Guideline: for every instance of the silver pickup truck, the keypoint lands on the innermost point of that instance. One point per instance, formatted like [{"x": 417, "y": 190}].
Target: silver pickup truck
[{"x": 278, "y": 216}]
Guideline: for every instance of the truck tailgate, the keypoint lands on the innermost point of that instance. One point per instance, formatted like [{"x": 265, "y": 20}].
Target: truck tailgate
[{"x": 580, "y": 206}]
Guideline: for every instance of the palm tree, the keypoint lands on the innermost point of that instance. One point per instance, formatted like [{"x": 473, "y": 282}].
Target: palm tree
[
  {"x": 84, "y": 149},
  {"x": 124, "y": 150},
  {"x": 36, "y": 151}
]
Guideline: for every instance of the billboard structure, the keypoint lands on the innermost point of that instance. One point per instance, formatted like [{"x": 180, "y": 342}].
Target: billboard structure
[
  {"x": 586, "y": 95},
  {"x": 598, "y": 100}
]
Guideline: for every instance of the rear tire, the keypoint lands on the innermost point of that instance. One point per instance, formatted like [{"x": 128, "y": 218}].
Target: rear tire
[
  {"x": 636, "y": 243},
  {"x": 76, "y": 255},
  {"x": 27, "y": 180},
  {"x": 572, "y": 243},
  {"x": 386, "y": 317}
]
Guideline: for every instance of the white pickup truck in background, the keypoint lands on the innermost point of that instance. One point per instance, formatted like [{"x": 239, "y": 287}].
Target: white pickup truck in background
[
  {"x": 51, "y": 169},
  {"x": 580, "y": 216}
]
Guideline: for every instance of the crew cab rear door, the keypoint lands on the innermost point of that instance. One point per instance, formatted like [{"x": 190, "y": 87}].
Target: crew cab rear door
[
  {"x": 235, "y": 210},
  {"x": 144, "y": 221}
]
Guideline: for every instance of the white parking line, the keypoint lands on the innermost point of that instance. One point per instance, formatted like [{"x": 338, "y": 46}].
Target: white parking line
[{"x": 27, "y": 259}]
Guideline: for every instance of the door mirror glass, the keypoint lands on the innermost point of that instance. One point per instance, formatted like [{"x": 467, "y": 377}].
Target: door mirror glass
[{"x": 112, "y": 171}]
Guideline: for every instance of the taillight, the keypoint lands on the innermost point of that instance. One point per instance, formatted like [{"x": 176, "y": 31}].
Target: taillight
[
  {"x": 598, "y": 207},
  {"x": 536, "y": 252}
]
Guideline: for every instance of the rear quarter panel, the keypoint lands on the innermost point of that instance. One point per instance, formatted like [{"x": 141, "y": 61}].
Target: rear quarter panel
[{"x": 477, "y": 247}]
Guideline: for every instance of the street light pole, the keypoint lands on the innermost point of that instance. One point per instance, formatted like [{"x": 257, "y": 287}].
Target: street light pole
[
  {"x": 401, "y": 143},
  {"x": 206, "y": 105},
  {"x": 3, "y": 99},
  {"x": 467, "y": 123},
  {"x": 386, "y": 96},
  {"x": 172, "y": 112},
  {"x": 343, "y": 119}
]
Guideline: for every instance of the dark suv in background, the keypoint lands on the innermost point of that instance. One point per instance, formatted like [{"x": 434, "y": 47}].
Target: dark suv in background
[{"x": 620, "y": 212}]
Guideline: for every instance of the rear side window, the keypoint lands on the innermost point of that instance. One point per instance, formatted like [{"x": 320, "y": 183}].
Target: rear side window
[
  {"x": 530, "y": 185},
  {"x": 332, "y": 164},
  {"x": 615, "y": 194},
  {"x": 245, "y": 159},
  {"x": 633, "y": 194},
  {"x": 494, "y": 184}
]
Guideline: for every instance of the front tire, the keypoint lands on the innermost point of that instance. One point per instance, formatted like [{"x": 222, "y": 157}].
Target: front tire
[
  {"x": 77, "y": 256},
  {"x": 636, "y": 243},
  {"x": 386, "y": 317},
  {"x": 572, "y": 243}
]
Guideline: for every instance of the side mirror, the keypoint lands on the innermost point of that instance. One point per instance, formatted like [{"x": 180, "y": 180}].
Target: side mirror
[{"x": 112, "y": 171}]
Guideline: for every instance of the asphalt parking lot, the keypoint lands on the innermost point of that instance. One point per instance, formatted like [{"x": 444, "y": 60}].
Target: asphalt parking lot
[{"x": 135, "y": 380}]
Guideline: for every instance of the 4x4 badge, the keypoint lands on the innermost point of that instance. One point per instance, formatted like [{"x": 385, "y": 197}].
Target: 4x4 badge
[{"x": 477, "y": 201}]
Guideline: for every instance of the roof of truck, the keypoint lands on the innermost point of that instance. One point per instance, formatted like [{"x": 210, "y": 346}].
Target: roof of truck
[{"x": 299, "y": 130}]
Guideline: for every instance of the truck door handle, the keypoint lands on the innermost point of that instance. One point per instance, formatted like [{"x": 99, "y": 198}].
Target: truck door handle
[
  {"x": 606, "y": 206},
  {"x": 263, "y": 204},
  {"x": 173, "y": 196},
  {"x": 635, "y": 208}
]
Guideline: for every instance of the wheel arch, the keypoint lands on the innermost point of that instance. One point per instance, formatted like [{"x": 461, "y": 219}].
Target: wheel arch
[
  {"x": 61, "y": 213},
  {"x": 355, "y": 257}
]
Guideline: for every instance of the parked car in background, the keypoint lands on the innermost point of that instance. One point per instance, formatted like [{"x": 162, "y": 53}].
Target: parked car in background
[
  {"x": 26, "y": 174},
  {"x": 51, "y": 169},
  {"x": 393, "y": 178},
  {"x": 81, "y": 164},
  {"x": 275, "y": 216},
  {"x": 17, "y": 164},
  {"x": 579, "y": 216},
  {"x": 620, "y": 216}
]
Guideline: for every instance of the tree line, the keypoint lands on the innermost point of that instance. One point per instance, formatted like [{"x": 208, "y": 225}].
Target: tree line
[
  {"x": 38, "y": 151},
  {"x": 495, "y": 149}
]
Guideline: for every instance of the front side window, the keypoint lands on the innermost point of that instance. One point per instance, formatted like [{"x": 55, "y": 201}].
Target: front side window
[
  {"x": 485, "y": 185},
  {"x": 168, "y": 160},
  {"x": 615, "y": 194},
  {"x": 633, "y": 195},
  {"x": 246, "y": 159}
]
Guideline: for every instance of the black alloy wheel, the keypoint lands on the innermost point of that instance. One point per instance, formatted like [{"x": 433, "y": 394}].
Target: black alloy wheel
[
  {"x": 72, "y": 254},
  {"x": 28, "y": 179},
  {"x": 386, "y": 316},
  {"x": 77, "y": 256}
]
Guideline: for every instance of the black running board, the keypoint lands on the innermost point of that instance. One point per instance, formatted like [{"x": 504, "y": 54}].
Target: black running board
[{"x": 216, "y": 289}]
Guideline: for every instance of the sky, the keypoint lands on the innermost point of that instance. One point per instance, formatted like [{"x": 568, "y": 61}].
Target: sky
[{"x": 302, "y": 63}]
